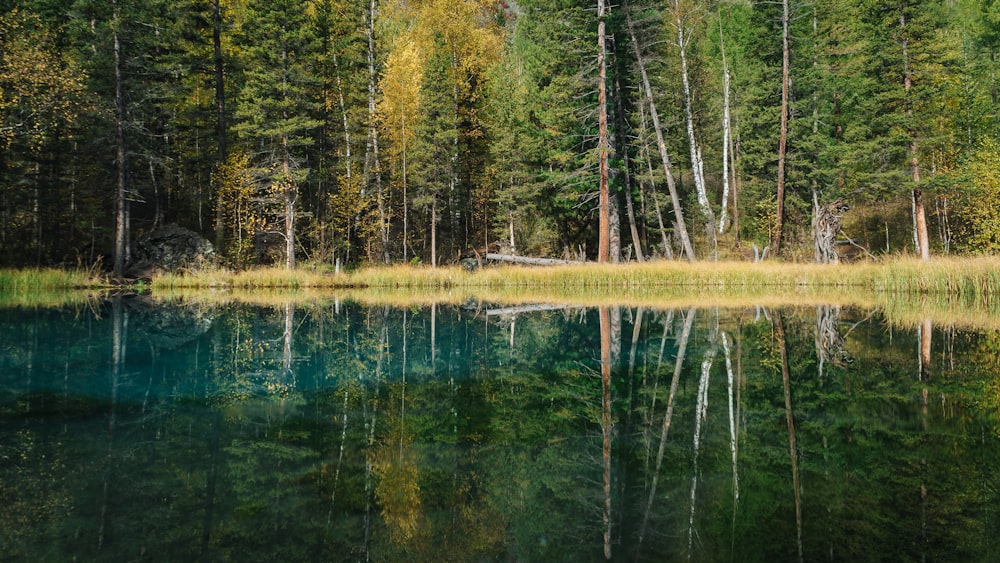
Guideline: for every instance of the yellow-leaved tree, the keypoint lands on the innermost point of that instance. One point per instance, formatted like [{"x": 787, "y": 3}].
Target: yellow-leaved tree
[{"x": 430, "y": 163}]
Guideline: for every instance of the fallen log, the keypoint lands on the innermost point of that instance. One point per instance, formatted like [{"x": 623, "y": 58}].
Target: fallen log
[
  {"x": 527, "y": 260},
  {"x": 503, "y": 311}
]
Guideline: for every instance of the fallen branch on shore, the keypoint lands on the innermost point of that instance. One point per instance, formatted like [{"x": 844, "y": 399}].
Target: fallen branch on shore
[{"x": 529, "y": 261}]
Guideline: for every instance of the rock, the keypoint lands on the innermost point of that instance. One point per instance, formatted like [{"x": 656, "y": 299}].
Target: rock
[
  {"x": 470, "y": 264},
  {"x": 168, "y": 249},
  {"x": 166, "y": 325}
]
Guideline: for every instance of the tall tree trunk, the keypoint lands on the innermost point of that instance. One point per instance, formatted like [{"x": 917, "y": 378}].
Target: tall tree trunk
[
  {"x": 734, "y": 150},
  {"x": 697, "y": 163},
  {"x": 627, "y": 174},
  {"x": 664, "y": 240},
  {"x": 614, "y": 226},
  {"x": 220, "y": 113},
  {"x": 783, "y": 139},
  {"x": 604, "y": 225},
  {"x": 406, "y": 203},
  {"x": 661, "y": 144},
  {"x": 375, "y": 168},
  {"x": 434, "y": 231},
  {"x": 121, "y": 226},
  {"x": 819, "y": 251},
  {"x": 726, "y": 134},
  {"x": 919, "y": 213},
  {"x": 220, "y": 82}
]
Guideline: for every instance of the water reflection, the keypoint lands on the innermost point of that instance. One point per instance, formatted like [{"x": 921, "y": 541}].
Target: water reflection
[{"x": 335, "y": 431}]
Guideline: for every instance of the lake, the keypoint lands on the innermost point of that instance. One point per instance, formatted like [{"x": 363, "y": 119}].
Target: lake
[{"x": 334, "y": 430}]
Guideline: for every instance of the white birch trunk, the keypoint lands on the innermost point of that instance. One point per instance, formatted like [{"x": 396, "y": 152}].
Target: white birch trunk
[
  {"x": 726, "y": 134},
  {"x": 697, "y": 163},
  {"x": 661, "y": 143}
]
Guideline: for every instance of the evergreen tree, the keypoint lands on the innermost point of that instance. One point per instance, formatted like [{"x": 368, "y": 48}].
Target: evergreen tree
[
  {"x": 436, "y": 138},
  {"x": 276, "y": 108}
]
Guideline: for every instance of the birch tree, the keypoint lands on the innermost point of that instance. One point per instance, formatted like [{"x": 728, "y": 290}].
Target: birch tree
[
  {"x": 682, "y": 20},
  {"x": 661, "y": 145}
]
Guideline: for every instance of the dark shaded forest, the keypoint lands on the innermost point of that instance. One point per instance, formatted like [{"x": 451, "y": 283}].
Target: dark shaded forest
[{"x": 406, "y": 131}]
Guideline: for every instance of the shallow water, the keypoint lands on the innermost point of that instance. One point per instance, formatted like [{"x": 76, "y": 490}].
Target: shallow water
[{"x": 331, "y": 431}]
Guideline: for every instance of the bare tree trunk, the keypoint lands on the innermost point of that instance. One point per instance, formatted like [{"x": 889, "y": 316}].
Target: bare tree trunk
[
  {"x": 376, "y": 168},
  {"x": 348, "y": 165},
  {"x": 726, "y": 134},
  {"x": 919, "y": 213},
  {"x": 406, "y": 203},
  {"x": 734, "y": 148},
  {"x": 121, "y": 227},
  {"x": 604, "y": 224},
  {"x": 818, "y": 251},
  {"x": 434, "y": 203},
  {"x": 220, "y": 111},
  {"x": 681, "y": 227},
  {"x": 614, "y": 228},
  {"x": 290, "y": 196},
  {"x": 697, "y": 163},
  {"x": 627, "y": 174},
  {"x": 783, "y": 140},
  {"x": 664, "y": 240}
]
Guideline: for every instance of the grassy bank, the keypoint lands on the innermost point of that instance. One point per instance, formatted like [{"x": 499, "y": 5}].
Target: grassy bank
[
  {"x": 978, "y": 278},
  {"x": 46, "y": 279}
]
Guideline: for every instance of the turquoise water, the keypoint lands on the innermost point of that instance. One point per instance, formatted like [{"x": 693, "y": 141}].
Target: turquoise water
[{"x": 135, "y": 430}]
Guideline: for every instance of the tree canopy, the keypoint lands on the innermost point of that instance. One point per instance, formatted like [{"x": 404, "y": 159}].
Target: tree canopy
[{"x": 386, "y": 131}]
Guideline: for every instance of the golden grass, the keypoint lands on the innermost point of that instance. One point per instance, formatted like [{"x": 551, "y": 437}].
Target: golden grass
[
  {"x": 40, "y": 279},
  {"x": 977, "y": 277},
  {"x": 957, "y": 291}
]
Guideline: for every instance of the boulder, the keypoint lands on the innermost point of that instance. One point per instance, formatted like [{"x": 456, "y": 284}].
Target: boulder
[
  {"x": 167, "y": 325},
  {"x": 169, "y": 248}
]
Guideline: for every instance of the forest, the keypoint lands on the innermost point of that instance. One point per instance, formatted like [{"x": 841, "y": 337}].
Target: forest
[{"x": 421, "y": 131}]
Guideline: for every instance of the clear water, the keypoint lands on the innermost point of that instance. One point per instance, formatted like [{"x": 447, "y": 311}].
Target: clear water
[{"x": 134, "y": 430}]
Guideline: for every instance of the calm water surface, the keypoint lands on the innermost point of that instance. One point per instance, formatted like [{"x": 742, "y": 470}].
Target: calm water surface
[{"x": 132, "y": 430}]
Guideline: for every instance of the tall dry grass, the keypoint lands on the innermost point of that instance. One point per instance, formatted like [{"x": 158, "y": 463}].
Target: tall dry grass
[
  {"x": 39, "y": 279},
  {"x": 976, "y": 278}
]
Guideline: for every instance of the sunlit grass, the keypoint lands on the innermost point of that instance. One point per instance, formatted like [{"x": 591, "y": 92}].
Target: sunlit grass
[
  {"x": 976, "y": 277},
  {"x": 39, "y": 279}
]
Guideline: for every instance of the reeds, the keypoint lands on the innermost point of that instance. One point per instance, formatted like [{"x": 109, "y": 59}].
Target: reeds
[
  {"x": 970, "y": 279},
  {"x": 978, "y": 278},
  {"x": 44, "y": 279}
]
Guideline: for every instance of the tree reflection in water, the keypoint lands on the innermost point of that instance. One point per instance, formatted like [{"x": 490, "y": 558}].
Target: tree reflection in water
[{"x": 335, "y": 431}]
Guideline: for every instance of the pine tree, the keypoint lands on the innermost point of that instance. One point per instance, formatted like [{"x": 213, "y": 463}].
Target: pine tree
[
  {"x": 436, "y": 136},
  {"x": 276, "y": 108}
]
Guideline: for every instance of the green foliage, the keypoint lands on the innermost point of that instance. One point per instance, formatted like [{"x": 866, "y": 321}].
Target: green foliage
[
  {"x": 488, "y": 109},
  {"x": 238, "y": 197},
  {"x": 977, "y": 226}
]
